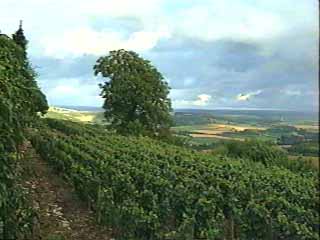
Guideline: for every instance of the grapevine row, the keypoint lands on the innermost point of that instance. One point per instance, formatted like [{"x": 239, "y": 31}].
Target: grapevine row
[{"x": 145, "y": 189}]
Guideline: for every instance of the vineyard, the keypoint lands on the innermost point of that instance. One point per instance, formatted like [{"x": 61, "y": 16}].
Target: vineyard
[
  {"x": 140, "y": 188},
  {"x": 145, "y": 189}
]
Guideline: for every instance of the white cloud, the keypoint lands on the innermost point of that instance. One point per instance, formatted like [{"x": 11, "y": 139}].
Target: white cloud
[
  {"x": 87, "y": 41},
  {"x": 187, "y": 82},
  {"x": 71, "y": 91},
  {"x": 56, "y": 26},
  {"x": 229, "y": 19},
  {"x": 63, "y": 89},
  {"x": 201, "y": 101},
  {"x": 54, "y": 30},
  {"x": 247, "y": 96},
  {"x": 119, "y": 8},
  {"x": 291, "y": 92}
]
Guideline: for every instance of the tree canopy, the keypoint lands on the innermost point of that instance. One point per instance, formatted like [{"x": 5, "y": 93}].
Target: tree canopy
[{"x": 135, "y": 93}]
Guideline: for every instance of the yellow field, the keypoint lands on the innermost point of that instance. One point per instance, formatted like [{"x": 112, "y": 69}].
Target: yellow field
[
  {"x": 200, "y": 135},
  {"x": 85, "y": 118},
  {"x": 69, "y": 114},
  {"x": 232, "y": 128},
  {"x": 215, "y": 130},
  {"x": 308, "y": 127}
]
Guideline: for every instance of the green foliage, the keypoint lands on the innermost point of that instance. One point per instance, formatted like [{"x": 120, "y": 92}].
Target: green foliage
[
  {"x": 252, "y": 117},
  {"x": 146, "y": 189},
  {"x": 16, "y": 216},
  {"x": 289, "y": 139},
  {"x": 55, "y": 237},
  {"x": 20, "y": 100},
  {"x": 305, "y": 149},
  {"x": 264, "y": 152},
  {"x": 177, "y": 140},
  {"x": 312, "y": 136},
  {"x": 255, "y": 150},
  {"x": 136, "y": 97},
  {"x": 281, "y": 129},
  {"x": 185, "y": 118},
  {"x": 19, "y": 38}
]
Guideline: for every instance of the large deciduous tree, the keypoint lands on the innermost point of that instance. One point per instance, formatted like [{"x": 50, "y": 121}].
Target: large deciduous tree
[{"x": 135, "y": 93}]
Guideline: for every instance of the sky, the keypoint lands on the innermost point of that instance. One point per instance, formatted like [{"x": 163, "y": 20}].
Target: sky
[{"x": 213, "y": 53}]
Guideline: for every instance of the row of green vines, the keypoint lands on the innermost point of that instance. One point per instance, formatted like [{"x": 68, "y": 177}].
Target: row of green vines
[{"x": 145, "y": 189}]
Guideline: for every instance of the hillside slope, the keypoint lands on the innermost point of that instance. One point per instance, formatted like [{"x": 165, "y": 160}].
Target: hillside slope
[
  {"x": 145, "y": 189},
  {"x": 59, "y": 212}
]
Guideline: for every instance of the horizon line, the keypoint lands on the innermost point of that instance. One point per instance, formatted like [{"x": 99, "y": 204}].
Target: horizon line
[{"x": 209, "y": 109}]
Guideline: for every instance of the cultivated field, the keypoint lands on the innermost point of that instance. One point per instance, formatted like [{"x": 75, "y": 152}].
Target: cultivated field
[
  {"x": 75, "y": 115},
  {"x": 217, "y": 130},
  {"x": 310, "y": 127},
  {"x": 203, "y": 135}
]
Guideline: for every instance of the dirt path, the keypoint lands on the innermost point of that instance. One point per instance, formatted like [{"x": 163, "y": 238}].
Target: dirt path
[{"x": 61, "y": 215}]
